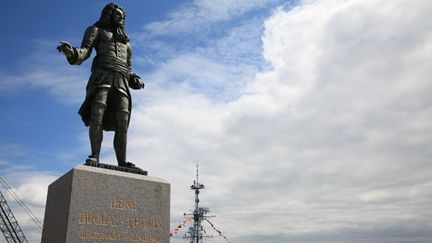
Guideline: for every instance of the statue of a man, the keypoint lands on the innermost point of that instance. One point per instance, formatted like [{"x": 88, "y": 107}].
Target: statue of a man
[{"x": 107, "y": 105}]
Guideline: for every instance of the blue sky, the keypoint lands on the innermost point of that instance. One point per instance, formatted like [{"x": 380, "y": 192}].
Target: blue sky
[
  {"x": 310, "y": 119},
  {"x": 33, "y": 30}
]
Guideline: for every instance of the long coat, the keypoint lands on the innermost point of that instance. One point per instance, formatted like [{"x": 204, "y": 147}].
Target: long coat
[{"x": 111, "y": 68}]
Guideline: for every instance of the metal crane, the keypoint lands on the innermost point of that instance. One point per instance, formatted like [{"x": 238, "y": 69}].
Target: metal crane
[{"x": 9, "y": 225}]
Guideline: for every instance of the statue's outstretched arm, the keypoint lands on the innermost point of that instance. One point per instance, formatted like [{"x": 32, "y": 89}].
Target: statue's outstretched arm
[
  {"x": 76, "y": 56},
  {"x": 67, "y": 50}
]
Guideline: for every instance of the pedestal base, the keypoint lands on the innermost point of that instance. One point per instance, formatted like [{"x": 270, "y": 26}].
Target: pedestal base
[{"x": 90, "y": 204}]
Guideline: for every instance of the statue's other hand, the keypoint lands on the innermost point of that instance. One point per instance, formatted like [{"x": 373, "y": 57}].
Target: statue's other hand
[
  {"x": 66, "y": 48},
  {"x": 135, "y": 82},
  {"x": 141, "y": 84}
]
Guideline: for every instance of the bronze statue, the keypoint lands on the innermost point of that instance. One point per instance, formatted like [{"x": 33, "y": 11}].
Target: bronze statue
[{"x": 108, "y": 103}]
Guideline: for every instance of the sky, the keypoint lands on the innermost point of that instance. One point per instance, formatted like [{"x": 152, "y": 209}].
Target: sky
[{"x": 310, "y": 119}]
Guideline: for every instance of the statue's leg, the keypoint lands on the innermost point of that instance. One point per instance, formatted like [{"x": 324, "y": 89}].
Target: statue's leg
[
  {"x": 95, "y": 130},
  {"x": 122, "y": 121}
]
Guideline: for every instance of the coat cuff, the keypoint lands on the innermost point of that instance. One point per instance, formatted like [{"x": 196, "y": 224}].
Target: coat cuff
[{"x": 73, "y": 59}]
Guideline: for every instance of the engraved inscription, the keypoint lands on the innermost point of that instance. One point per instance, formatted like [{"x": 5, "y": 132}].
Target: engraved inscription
[
  {"x": 109, "y": 236},
  {"x": 143, "y": 238},
  {"x": 99, "y": 219},
  {"x": 144, "y": 223},
  {"x": 109, "y": 221},
  {"x": 124, "y": 204},
  {"x": 102, "y": 235}
]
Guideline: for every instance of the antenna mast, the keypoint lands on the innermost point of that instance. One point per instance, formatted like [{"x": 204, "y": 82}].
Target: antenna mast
[{"x": 196, "y": 232}]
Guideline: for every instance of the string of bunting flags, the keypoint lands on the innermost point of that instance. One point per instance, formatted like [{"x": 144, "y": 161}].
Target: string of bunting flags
[
  {"x": 220, "y": 233},
  {"x": 184, "y": 222},
  {"x": 178, "y": 227}
]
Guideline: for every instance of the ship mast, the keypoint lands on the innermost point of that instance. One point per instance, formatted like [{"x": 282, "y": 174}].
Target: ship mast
[{"x": 196, "y": 232}]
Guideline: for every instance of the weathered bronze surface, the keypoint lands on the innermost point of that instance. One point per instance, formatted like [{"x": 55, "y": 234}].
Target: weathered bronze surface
[{"x": 108, "y": 103}]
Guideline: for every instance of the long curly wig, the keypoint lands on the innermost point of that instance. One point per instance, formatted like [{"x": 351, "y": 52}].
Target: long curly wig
[{"x": 106, "y": 21}]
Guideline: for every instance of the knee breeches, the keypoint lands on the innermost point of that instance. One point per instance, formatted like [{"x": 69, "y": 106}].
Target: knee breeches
[{"x": 118, "y": 104}]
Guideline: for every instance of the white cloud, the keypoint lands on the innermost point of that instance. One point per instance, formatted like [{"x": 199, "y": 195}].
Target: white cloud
[
  {"x": 200, "y": 74},
  {"x": 31, "y": 186},
  {"x": 42, "y": 69},
  {"x": 331, "y": 144},
  {"x": 333, "y": 139},
  {"x": 198, "y": 15}
]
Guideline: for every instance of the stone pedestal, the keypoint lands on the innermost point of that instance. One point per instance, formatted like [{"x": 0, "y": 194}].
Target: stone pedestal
[{"x": 90, "y": 204}]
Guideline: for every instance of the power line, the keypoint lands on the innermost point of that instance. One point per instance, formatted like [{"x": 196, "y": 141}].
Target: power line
[
  {"x": 9, "y": 225},
  {"x": 22, "y": 204}
]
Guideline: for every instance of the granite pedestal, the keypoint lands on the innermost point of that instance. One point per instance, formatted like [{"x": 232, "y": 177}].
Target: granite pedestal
[{"x": 90, "y": 204}]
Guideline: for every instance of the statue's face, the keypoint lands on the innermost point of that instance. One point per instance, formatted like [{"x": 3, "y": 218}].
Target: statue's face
[{"x": 118, "y": 17}]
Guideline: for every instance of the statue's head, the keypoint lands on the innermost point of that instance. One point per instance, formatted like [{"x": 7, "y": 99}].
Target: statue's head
[{"x": 113, "y": 17}]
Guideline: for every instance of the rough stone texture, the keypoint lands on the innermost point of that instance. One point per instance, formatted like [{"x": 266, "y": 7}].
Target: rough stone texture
[{"x": 90, "y": 204}]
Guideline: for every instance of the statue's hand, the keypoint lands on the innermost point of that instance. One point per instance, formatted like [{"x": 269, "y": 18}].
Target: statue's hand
[
  {"x": 135, "y": 82},
  {"x": 140, "y": 84},
  {"x": 66, "y": 48}
]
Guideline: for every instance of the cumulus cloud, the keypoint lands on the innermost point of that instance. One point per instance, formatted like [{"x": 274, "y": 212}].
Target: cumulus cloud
[
  {"x": 31, "y": 186},
  {"x": 207, "y": 28},
  {"x": 328, "y": 140},
  {"x": 332, "y": 142},
  {"x": 197, "y": 15},
  {"x": 40, "y": 69}
]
